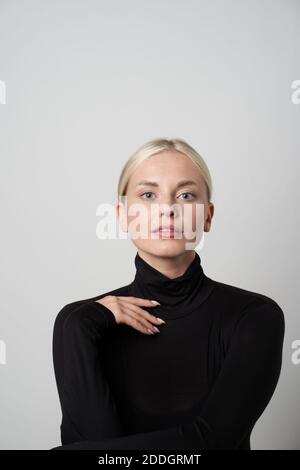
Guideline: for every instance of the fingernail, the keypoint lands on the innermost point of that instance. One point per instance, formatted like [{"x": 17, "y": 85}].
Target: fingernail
[
  {"x": 155, "y": 302},
  {"x": 150, "y": 331},
  {"x": 156, "y": 329},
  {"x": 160, "y": 320}
]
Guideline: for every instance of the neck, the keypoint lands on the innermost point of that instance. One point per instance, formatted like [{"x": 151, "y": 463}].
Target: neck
[
  {"x": 170, "y": 267},
  {"x": 179, "y": 288}
]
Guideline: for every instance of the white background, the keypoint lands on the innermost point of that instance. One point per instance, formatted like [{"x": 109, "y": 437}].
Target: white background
[{"x": 87, "y": 83}]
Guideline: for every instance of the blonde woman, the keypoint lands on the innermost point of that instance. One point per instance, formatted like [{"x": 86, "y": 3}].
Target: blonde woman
[{"x": 174, "y": 359}]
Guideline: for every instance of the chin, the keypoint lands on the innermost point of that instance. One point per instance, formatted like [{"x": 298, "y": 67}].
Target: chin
[{"x": 164, "y": 248}]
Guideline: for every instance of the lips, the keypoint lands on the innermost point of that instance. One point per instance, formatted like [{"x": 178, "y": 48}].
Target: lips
[{"x": 166, "y": 229}]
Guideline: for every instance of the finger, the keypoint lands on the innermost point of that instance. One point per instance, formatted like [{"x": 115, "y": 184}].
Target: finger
[
  {"x": 141, "y": 312},
  {"x": 136, "y": 324},
  {"x": 136, "y": 315},
  {"x": 139, "y": 301}
]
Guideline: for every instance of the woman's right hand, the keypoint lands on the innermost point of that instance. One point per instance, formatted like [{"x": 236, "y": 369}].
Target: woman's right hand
[{"x": 128, "y": 310}]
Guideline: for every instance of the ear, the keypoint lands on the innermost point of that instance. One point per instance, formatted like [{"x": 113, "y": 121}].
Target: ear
[
  {"x": 209, "y": 216},
  {"x": 122, "y": 216}
]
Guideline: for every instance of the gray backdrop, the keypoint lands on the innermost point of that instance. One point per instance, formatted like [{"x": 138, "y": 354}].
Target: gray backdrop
[{"x": 84, "y": 84}]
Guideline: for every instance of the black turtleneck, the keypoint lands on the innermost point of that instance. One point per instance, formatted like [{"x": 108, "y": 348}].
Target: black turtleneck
[
  {"x": 177, "y": 296},
  {"x": 201, "y": 383}
]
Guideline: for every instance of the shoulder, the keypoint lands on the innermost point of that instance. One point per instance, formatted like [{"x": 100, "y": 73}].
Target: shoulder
[
  {"x": 73, "y": 306},
  {"x": 255, "y": 307},
  {"x": 252, "y": 322},
  {"x": 238, "y": 294}
]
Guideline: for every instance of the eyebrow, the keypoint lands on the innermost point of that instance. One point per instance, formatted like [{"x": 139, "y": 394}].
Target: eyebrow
[{"x": 179, "y": 185}]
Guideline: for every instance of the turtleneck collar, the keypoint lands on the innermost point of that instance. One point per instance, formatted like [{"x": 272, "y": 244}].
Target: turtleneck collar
[{"x": 177, "y": 296}]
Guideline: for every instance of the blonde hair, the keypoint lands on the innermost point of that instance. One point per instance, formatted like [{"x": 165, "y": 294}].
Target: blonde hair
[{"x": 156, "y": 146}]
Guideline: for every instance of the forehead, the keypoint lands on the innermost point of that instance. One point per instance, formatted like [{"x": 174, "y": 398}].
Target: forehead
[{"x": 166, "y": 168}]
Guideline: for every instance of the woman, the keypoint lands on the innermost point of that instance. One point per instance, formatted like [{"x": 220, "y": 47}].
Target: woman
[{"x": 194, "y": 369}]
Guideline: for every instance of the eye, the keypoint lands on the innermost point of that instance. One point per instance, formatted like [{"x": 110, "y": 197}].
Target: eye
[
  {"x": 148, "y": 192},
  {"x": 192, "y": 194}
]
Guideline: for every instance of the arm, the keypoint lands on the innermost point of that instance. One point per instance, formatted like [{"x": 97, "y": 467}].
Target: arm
[
  {"x": 240, "y": 394},
  {"x": 88, "y": 408}
]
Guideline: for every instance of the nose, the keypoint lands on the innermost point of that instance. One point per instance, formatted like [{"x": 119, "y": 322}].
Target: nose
[
  {"x": 168, "y": 207},
  {"x": 167, "y": 211}
]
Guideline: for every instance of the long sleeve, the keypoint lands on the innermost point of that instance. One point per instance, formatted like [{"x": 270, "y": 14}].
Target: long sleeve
[
  {"x": 241, "y": 392},
  {"x": 88, "y": 407}
]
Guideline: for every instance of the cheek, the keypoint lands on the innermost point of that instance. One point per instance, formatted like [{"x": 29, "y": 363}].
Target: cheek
[
  {"x": 139, "y": 219},
  {"x": 193, "y": 217}
]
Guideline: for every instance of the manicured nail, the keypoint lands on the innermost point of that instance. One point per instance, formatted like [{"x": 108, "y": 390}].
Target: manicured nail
[
  {"x": 150, "y": 331},
  {"x": 160, "y": 320},
  {"x": 155, "y": 302},
  {"x": 156, "y": 329}
]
